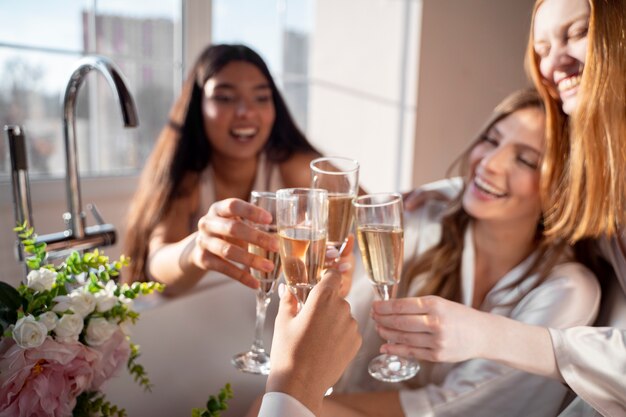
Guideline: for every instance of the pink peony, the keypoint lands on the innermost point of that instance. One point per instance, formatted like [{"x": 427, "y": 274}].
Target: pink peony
[
  {"x": 114, "y": 354},
  {"x": 46, "y": 380}
]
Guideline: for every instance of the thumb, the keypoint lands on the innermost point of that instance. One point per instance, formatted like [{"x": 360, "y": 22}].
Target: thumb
[
  {"x": 330, "y": 281},
  {"x": 288, "y": 307}
]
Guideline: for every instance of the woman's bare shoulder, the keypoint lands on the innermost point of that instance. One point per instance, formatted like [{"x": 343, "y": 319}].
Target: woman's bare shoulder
[{"x": 295, "y": 171}]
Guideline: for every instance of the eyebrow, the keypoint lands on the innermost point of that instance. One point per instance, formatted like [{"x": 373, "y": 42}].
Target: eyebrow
[{"x": 231, "y": 86}]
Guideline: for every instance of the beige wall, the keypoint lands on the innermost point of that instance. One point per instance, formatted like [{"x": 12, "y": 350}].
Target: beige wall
[
  {"x": 402, "y": 86},
  {"x": 471, "y": 56}
]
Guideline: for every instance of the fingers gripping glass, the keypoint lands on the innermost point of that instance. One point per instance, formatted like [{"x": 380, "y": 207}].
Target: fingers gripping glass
[
  {"x": 380, "y": 235},
  {"x": 256, "y": 360}
]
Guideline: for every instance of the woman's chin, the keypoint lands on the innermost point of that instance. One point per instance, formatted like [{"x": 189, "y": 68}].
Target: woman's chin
[{"x": 569, "y": 105}]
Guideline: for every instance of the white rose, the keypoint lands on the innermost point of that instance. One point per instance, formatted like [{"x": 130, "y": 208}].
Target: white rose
[
  {"x": 99, "y": 330},
  {"x": 48, "y": 319},
  {"x": 68, "y": 328},
  {"x": 29, "y": 333},
  {"x": 128, "y": 302},
  {"x": 80, "y": 301},
  {"x": 41, "y": 280},
  {"x": 105, "y": 298}
]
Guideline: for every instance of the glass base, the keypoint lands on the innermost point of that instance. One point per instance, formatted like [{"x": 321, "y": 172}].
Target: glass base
[
  {"x": 252, "y": 362},
  {"x": 391, "y": 368}
]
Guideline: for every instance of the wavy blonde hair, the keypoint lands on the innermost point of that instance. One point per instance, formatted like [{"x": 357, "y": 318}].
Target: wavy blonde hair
[
  {"x": 442, "y": 263},
  {"x": 583, "y": 171}
]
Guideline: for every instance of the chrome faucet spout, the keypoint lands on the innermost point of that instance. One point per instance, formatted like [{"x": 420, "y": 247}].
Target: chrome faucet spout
[{"x": 129, "y": 114}]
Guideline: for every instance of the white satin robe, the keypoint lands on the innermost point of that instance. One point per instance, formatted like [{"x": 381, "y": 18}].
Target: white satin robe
[
  {"x": 592, "y": 360},
  {"x": 569, "y": 297}
]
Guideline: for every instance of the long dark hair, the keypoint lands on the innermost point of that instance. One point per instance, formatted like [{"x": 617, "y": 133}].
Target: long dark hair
[
  {"x": 442, "y": 263},
  {"x": 183, "y": 150}
]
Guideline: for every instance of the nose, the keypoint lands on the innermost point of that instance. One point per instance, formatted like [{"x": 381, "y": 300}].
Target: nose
[
  {"x": 243, "y": 108},
  {"x": 558, "y": 57},
  {"x": 496, "y": 160}
]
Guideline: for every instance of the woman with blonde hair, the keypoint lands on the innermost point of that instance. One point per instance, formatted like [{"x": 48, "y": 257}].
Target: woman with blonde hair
[
  {"x": 577, "y": 60},
  {"x": 486, "y": 250}
]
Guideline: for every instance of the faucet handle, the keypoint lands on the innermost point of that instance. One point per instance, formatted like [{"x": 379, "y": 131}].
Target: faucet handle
[{"x": 96, "y": 213}]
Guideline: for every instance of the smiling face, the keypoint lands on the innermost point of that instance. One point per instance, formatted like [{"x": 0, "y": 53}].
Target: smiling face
[
  {"x": 238, "y": 110},
  {"x": 560, "y": 42},
  {"x": 504, "y": 167}
]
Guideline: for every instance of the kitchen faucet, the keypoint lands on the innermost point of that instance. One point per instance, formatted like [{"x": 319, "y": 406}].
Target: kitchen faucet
[{"x": 77, "y": 236}]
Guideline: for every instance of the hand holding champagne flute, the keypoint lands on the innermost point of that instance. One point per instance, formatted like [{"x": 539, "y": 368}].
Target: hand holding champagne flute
[
  {"x": 256, "y": 360},
  {"x": 301, "y": 215},
  {"x": 380, "y": 235},
  {"x": 340, "y": 177}
]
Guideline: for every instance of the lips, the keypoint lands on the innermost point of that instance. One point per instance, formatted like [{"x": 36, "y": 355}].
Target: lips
[{"x": 489, "y": 189}]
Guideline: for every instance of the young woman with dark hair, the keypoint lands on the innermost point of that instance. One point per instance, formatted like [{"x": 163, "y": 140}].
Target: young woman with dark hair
[{"x": 228, "y": 133}]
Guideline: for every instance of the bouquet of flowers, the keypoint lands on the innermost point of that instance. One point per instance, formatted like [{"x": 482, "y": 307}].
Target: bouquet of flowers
[{"x": 64, "y": 332}]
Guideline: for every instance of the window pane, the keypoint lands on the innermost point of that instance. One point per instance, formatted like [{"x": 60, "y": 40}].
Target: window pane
[
  {"x": 141, "y": 37},
  {"x": 110, "y": 147},
  {"x": 139, "y": 29},
  {"x": 54, "y": 24},
  {"x": 30, "y": 86}
]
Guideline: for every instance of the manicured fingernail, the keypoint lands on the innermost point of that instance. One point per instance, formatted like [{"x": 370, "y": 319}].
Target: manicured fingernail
[
  {"x": 332, "y": 253},
  {"x": 281, "y": 290},
  {"x": 267, "y": 266}
]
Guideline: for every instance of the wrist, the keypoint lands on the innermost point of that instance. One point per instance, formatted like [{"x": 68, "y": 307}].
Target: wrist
[{"x": 296, "y": 387}]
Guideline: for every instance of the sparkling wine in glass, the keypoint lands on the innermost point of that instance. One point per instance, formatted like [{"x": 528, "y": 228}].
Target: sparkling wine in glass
[
  {"x": 301, "y": 215},
  {"x": 340, "y": 177},
  {"x": 380, "y": 235},
  {"x": 256, "y": 360}
]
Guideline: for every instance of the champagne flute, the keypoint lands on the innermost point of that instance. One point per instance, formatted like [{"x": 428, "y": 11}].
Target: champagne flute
[
  {"x": 380, "y": 235},
  {"x": 256, "y": 360},
  {"x": 301, "y": 216},
  {"x": 340, "y": 177}
]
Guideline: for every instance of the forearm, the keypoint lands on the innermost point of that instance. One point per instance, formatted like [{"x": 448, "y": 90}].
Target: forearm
[
  {"x": 172, "y": 265},
  {"x": 518, "y": 345}
]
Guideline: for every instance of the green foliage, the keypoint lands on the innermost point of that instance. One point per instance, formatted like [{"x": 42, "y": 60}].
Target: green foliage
[
  {"x": 94, "y": 404},
  {"x": 136, "y": 370},
  {"x": 215, "y": 405},
  {"x": 28, "y": 239}
]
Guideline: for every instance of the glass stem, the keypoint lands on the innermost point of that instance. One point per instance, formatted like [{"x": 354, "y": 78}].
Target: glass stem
[
  {"x": 388, "y": 292},
  {"x": 262, "y": 301}
]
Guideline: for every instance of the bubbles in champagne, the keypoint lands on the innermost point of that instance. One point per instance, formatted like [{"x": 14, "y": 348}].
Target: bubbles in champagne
[{"x": 382, "y": 249}]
